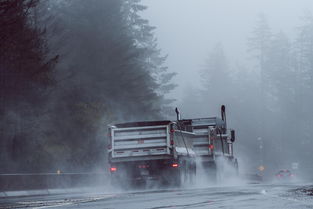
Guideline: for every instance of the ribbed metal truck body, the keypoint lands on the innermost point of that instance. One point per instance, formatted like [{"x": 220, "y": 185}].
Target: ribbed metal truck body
[
  {"x": 213, "y": 145},
  {"x": 211, "y": 137},
  {"x": 139, "y": 151}
]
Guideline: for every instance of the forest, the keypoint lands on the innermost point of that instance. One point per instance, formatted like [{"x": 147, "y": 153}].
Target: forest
[
  {"x": 268, "y": 95},
  {"x": 68, "y": 69}
]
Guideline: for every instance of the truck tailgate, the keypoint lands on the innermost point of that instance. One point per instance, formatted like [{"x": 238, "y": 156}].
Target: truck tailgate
[
  {"x": 201, "y": 140},
  {"x": 140, "y": 141}
]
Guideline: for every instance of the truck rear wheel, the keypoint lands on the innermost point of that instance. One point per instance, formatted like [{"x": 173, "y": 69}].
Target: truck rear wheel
[
  {"x": 176, "y": 179},
  {"x": 211, "y": 170},
  {"x": 171, "y": 177}
]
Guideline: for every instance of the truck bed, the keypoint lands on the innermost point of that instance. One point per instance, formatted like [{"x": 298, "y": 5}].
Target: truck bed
[
  {"x": 201, "y": 128},
  {"x": 144, "y": 141}
]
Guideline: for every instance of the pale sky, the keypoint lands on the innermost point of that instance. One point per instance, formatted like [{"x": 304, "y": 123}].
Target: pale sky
[{"x": 187, "y": 30}]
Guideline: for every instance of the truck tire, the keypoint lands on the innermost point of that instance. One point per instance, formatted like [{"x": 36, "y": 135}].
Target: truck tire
[
  {"x": 192, "y": 173},
  {"x": 236, "y": 167},
  {"x": 214, "y": 176},
  {"x": 211, "y": 172},
  {"x": 138, "y": 184},
  {"x": 177, "y": 178},
  {"x": 171, "y": 178}
]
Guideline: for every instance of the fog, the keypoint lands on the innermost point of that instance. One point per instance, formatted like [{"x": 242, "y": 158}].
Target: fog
[
  {"x": 77, "y": 66},
  {"x": 72, "y": 69},
  {"x": 187, "y": 30},
  {"x": 262, "y": 97}
]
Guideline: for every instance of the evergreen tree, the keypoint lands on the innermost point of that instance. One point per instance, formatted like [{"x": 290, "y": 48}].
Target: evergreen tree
[
  {"x": 152, "y": 57},
  {"x": 26, "y": 74},
  {"x": 304, "y": 85},
  {"x": 258, "y": 46},
  {"x": 216, "y": 79},
  {"x": 259, "y": 42},
  {"x": 304, "y": 55},
  {"x": 281, "y": 91},
  {"x": 115, "y": 66}
]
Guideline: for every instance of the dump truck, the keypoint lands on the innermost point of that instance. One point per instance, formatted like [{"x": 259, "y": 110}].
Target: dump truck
[
  {"x": 159, "y": 151},
  {"x": 213, "y": 145}
]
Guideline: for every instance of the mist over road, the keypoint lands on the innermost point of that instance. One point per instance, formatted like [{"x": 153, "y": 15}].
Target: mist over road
[
  {"x": 71, "y": 69},
  {"x": 244, "y": 196}
]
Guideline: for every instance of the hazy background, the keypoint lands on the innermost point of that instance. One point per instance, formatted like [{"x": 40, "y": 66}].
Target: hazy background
[
  {"x": 69, "y": 68},
  {"x": 187, "y": 30}
]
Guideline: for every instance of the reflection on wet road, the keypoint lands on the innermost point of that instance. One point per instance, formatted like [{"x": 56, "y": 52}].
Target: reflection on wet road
[{"x": 248, "y": 196}]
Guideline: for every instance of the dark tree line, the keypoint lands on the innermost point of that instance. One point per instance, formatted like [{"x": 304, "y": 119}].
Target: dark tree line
[
  {"x": 26, "y": 73},
  {"x": 71, "y": 68}
]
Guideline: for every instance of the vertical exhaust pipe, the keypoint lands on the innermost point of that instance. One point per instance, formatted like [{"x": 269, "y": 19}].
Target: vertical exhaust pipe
[
  {"x": 177, "y": 114},
  {"x": 223, "y": 115}
]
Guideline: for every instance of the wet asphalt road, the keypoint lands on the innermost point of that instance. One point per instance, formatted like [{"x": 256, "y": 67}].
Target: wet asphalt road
[{"x": 241, "y": 196}]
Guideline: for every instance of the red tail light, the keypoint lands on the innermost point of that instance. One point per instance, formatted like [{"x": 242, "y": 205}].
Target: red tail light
[
  {"x": 211, "y": 146},
  {"x": 143, "y": 166},
  {"x": 175, "y": 165},
  {"x": 113, "y": 169}
]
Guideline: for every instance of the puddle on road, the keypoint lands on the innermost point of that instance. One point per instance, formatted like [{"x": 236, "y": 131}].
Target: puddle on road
[{"x": 308, "y": 191}]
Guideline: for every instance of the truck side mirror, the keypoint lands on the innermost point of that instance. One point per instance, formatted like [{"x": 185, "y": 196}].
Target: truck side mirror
[{"x": 232, "y": 136}]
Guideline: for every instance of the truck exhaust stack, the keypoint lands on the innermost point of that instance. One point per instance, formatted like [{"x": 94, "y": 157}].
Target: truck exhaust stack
[
  {"x": 177, "y": 114},
  {"x": 223, "y": 114}
]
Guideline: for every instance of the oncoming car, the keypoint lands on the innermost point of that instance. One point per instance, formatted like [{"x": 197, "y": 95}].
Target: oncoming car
[{"x": 284, "y": 175}]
